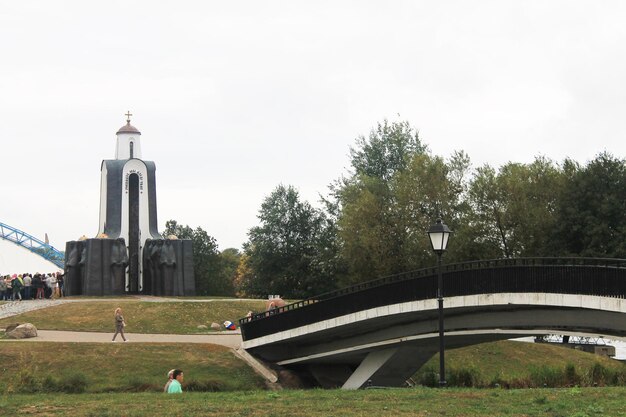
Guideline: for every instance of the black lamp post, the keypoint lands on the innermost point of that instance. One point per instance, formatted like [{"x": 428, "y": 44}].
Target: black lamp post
[{"x": 438, "y": 234}]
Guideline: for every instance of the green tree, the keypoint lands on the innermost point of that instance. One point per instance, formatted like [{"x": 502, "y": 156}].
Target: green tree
[
  {"x": 388, "y": 150},
  {"x": 433, "y": 187},
  {"x": 172, "y": 228},
  {"x": 244, "y": 279},
  {"x": 369, "y": 230},
  {"x": 285, "y": 253},
  {"x": 229, "y": 260},
  {"x": 590, "y": 215},
  {"x": 515, "y": 207},
  {"x": 397, "y": 190}
]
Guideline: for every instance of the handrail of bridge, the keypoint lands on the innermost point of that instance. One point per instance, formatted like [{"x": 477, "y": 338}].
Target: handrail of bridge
[
  {"x": 33, "y": 244},
  {"x": 449, "y": 268}
]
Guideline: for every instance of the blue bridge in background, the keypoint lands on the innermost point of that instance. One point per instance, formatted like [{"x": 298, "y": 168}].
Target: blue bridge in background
[{"x": 32, "y": 244}]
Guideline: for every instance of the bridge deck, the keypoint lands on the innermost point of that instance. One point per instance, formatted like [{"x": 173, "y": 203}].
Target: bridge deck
[{"x": 577, "y": 276}]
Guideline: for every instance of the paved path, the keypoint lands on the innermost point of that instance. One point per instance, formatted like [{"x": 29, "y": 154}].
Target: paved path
[{"x": 231, "y": 339}]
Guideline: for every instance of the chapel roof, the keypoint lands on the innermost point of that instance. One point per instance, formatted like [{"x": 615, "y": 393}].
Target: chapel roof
[{"x": 128, "y": 128}]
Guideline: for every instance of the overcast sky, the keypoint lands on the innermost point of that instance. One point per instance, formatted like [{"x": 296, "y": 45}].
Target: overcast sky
[{"x": 234, "y": 98}]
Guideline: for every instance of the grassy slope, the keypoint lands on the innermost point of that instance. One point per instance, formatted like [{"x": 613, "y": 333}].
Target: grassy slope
[
  {"x": 141, "y": 317},
  {"x": 508, "y": 361},
  {"x": 574, "y": 402},
  {"x": 121, "y": 367},
  {"x": 142, "y": 367}
]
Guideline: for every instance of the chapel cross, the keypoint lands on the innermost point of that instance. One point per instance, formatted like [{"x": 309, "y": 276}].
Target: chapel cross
[{"x": 128, "y": 116}]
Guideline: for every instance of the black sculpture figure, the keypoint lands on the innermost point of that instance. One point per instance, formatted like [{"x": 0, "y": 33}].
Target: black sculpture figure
[
  {"x": 118, "y": 262},
  {"x": 148, "y": 288},
  {"x": 155, "y": 255},
  {"x": 152, "y": 283},
  {"x": 82, "y": 263},
  {"x": 73, "y": 282},
  {"x": 167, "y": 265}
]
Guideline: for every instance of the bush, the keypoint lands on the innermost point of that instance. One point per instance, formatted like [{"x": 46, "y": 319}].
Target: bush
[
  {"x": 203, "y": 386},
  {"x": 74, "y": 383},
  {"x": 498, "y": 381},
  {"x": 428, "y": 378},
  {"x": 619, "y": 378},
  {"x": 548, "y": 376},
  {"x": 464, "y": 377},
  {"x": 571, "y": 376},
  {"x": 138, "y": 385},
  {"x": 49, "y": 384},
  {"x": 28, "y": 383}
]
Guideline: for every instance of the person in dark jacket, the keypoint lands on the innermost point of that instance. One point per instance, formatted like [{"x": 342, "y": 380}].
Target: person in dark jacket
[
  {"x": 37, "y": 287},
  {"x": 17, "y": 285}
]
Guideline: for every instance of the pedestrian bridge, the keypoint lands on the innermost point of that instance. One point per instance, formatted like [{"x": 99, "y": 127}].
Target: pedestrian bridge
[
  {"x": 32, "y": 244},
  {"x": 381, "y": 332}
]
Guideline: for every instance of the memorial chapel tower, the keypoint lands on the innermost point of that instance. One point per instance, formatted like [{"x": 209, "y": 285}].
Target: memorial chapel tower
[
  {"x": 128, "y": 207},
  {"x": 129, "y": 255}
]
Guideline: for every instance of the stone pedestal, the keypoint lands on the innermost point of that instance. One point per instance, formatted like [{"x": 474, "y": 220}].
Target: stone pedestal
[{"x": 98, "y": 267}]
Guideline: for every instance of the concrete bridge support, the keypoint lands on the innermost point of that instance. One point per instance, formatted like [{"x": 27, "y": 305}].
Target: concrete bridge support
[{"x": 370, "y": 365}]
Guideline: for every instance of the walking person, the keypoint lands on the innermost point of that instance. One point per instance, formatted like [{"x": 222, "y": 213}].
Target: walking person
[
  {"x": 119, "y": 324},
  {"x": 176, "y": 386},
  {"x": 170, "y": 376}
]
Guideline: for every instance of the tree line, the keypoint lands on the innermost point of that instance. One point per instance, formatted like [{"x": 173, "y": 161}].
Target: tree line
[{"x": 373, "y": 219}]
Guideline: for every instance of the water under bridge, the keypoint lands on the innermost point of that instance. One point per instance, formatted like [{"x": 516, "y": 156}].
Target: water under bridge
[{"x": 381, "y": 332}]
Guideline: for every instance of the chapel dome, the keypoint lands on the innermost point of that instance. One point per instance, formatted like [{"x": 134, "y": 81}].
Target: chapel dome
[{"x": 128, "y": 128}]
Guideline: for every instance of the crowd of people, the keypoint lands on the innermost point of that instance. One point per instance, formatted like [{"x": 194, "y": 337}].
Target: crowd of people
[{"x": 18, "y": 287}]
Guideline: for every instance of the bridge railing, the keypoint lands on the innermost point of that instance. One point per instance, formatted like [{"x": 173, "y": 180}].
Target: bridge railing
[{"x": 590, "y": 276}]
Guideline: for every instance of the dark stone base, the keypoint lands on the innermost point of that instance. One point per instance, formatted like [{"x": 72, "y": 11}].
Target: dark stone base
[{"x": 97, "y": 267}]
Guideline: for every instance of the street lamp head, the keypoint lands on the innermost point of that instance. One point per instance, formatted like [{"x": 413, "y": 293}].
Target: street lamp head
[{"x": 438, "y": 234}]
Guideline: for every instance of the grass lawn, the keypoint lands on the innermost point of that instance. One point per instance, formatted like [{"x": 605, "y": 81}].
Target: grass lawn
[
  {"x": 421, "y": 402},
  {"x": 120, "y": 367},
  {"x": 141, "y": 316}
]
